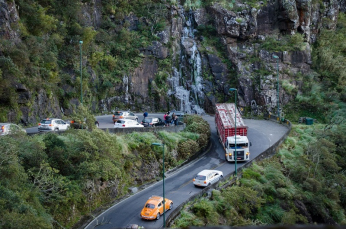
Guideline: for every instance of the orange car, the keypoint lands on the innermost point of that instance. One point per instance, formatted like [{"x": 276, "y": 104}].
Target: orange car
[{"x": 153, "y": 208}]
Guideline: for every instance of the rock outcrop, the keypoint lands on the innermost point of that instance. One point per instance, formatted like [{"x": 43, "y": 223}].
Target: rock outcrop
[{"x": 238, "y": 60}]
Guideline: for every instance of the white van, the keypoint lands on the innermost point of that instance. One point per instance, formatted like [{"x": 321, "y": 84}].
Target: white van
[{"x": 207, "y": 177}]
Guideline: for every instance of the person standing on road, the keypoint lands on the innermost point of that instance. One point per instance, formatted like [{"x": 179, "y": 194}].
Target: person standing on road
[
  {"x": 165, "y": 117},
  {"x": 173, "y": 117},
  {"x": 175, "y": 120}
]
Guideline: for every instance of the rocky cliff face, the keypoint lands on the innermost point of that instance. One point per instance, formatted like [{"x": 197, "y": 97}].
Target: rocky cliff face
[{"x": 241, "y": 33}]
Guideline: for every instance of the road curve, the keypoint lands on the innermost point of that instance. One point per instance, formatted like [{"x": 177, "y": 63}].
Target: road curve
[{"x": 178, "y": 184}]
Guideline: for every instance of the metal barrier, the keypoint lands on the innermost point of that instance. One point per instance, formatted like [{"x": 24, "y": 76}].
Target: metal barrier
[
  {"x": 265, "y": 154},
  {"x": 176, "y": 129}
]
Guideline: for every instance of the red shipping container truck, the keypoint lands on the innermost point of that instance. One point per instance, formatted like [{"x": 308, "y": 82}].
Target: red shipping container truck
[{"x": 227, "y": 119}]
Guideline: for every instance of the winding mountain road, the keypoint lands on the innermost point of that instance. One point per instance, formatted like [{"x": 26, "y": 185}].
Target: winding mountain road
[{"x": 178, "y": 184}]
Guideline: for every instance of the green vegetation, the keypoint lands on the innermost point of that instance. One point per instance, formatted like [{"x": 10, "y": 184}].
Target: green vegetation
[
  {"x": 285, "y": 43},
  {"x": 226, "y": 4},
  {"x": 303, "y": 183},
  {"x": 323, "y": 95},
  {"x": 48, "y": 56},
  {"x": 50, "y": 180}
]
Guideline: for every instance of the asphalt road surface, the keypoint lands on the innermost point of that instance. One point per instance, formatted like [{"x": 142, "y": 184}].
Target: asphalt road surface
[{"x": 178, "y": 184}]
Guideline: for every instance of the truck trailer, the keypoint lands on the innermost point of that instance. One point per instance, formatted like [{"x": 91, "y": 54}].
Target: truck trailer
[{"x": 227, "y": 120}]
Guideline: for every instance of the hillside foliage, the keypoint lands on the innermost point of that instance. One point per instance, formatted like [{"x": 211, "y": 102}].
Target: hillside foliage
[
  {"x": 54, "y": 179},
  {"x": 323, "y": 94},
  {"x": 50, "y": 54},
  {"x": 303, "y": 184}
]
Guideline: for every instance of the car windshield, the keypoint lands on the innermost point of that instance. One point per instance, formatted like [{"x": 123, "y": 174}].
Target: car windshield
[
  {"x": 44, "y": 121},
  {"x": 151, "y": 206},
  {"x": 118, "y": 113},
  {"x": 199, "y": 177}
]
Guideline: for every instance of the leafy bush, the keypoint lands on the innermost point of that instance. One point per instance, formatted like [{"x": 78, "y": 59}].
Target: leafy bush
[{"x": 186, "y": 148}]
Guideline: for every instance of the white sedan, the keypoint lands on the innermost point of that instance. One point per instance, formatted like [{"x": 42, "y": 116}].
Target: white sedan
[
  {"x": 126, "y": 123},
  {"x": 207, "y": 177}
]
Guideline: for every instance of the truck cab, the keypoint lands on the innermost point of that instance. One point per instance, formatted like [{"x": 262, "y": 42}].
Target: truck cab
[{"x": 237, "y": 147}]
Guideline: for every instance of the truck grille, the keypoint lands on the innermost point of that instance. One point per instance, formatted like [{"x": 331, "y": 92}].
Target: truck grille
[{"x": 240, "y": 155}]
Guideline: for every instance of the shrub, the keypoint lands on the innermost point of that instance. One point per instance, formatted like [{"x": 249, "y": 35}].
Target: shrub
[
  {"x": 205, "y": 209},
  {"x": 186, "y": 148}
]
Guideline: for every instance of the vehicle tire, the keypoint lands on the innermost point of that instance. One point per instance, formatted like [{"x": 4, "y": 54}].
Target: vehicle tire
[
  {"x": 56, "y": 129},
  {"x": 170, "y": 206},
  {"x": 158, "y": 216},
  {"x": 209, "y": 184}
]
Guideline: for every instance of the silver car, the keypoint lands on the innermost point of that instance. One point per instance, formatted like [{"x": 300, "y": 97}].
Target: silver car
[
  {"x": 10, "y": 128},
  {"x": 53, "y": 124},
  {"x": 207, "y": 177}
]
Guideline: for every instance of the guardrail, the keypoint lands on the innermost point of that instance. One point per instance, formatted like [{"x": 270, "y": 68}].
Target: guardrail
[
  {"x": 265, "y": 154},
  {"x": 177, "y": 128}
]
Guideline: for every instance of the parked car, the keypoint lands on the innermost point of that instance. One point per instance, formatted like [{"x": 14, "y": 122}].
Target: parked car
[
  {"x": 152, "y": 122},
  {"x": 207, "y": 177},
  {"x": 126, "y": 123},
  {"x": 10, "y": 128},
  {"x": 53, "y": 124},
  {"x": 124, "y": 115},
  {"x": 153, "y": 208}
]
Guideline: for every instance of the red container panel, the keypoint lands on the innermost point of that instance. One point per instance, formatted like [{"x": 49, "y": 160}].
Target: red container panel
[{"x": 225, "y": 124}]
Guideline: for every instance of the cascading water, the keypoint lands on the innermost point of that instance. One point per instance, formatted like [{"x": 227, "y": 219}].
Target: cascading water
[
  {"x": 187, "y": 81},
  {"x": 126, "y": 87}
]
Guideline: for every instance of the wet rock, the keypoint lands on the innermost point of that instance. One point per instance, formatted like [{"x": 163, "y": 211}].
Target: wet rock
[{"x": 188, "y": 44}]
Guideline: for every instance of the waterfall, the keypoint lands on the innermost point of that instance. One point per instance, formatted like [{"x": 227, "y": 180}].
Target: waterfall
[
  {"x": 126, "y": 87},
  {"x": 187, "y": 80}
]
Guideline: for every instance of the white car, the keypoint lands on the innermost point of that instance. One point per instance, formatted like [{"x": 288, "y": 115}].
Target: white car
[
  {"x": 207, "y": 177},
  {"x": 53, "y": 124},
  {"x": 126, "y": 123},
  {"x": 10, "y": 128}
]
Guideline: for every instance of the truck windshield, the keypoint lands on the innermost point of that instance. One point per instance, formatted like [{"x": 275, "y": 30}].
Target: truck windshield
[{"x": 239, "y": 145}]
